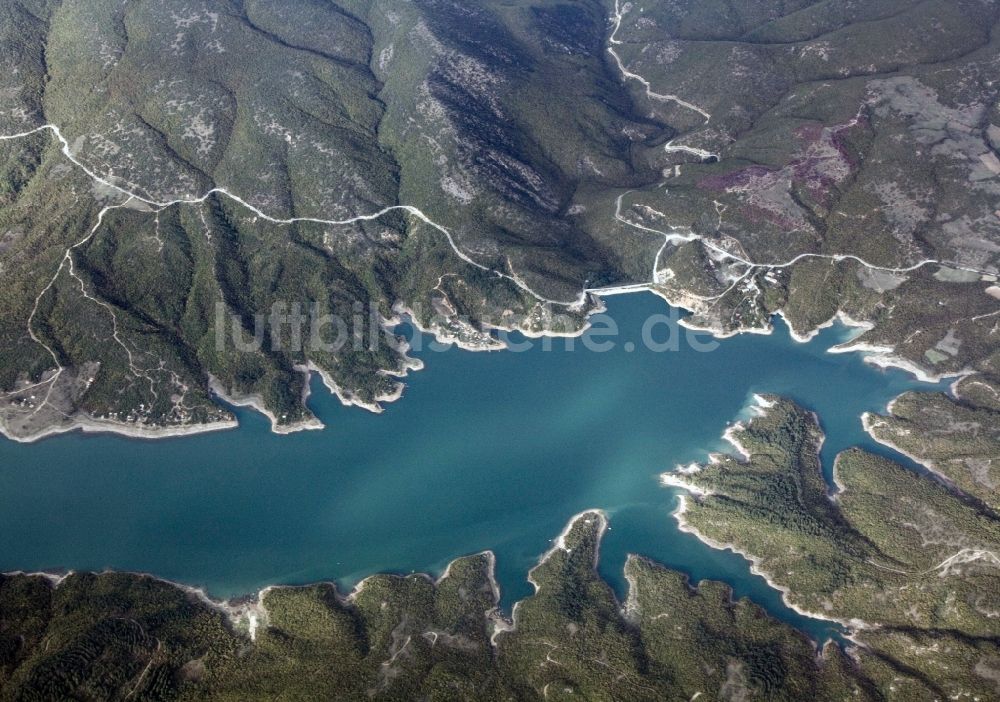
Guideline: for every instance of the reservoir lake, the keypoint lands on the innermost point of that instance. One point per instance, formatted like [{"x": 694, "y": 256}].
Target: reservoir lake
[{"x": 484, "y": 451}]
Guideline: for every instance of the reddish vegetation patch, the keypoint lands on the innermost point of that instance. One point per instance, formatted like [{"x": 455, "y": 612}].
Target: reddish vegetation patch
[
  {"x": 739, "y": 178},
  {"x": 821, "y": 162},
  {"x": 753, "y": 214},
  {"x": 839, "y": 140}
]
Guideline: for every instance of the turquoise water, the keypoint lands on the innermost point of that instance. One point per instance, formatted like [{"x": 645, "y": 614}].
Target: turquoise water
[{"x": 486, "y": 451}]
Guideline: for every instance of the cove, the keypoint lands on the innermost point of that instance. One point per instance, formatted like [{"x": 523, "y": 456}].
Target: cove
[{"x": 485, "y": 451}]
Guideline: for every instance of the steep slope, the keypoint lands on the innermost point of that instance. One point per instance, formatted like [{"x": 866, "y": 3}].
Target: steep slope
[{"x": 204, "y": 199}]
